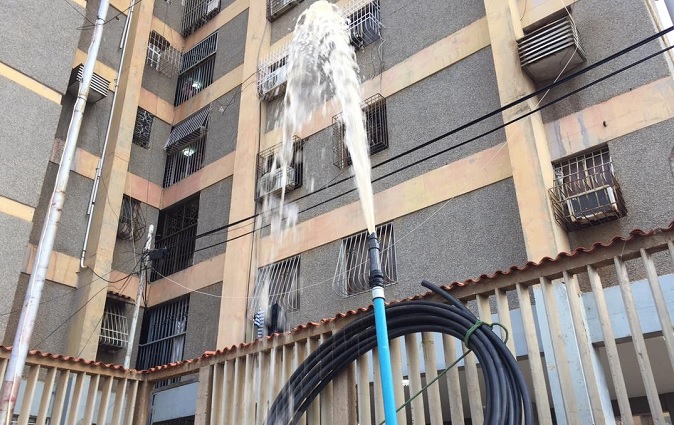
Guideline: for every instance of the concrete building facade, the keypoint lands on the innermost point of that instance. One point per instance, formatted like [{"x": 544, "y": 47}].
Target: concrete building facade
[{"x": 191, "y": 119}]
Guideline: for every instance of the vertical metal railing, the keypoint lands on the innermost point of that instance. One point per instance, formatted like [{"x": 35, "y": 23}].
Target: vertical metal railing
[
  {"x": 196, "y": 13},
  {"x": 184, "y": 161},
  {"x": 194, "y": 80}
]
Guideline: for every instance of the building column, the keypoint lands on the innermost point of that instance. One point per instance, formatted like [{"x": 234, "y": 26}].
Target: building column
[
  {"x": 527, "y": 142},
  {"x": 90, "y": 301},
  {"x": 238, "y": 271}
]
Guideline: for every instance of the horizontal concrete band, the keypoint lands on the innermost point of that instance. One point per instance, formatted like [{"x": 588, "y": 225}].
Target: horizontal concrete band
[
  {"x": 29, "y": 83},
  {"x": 16, "y": 209}
]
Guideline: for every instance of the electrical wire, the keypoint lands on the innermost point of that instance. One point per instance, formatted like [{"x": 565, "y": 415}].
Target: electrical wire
[
  {"x": 506, "y": 394},
  {"x": 92, "y": 26},
  {"x": 462, "y": 127}
]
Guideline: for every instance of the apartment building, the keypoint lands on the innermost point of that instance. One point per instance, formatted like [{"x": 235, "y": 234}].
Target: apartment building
[{"x": 184, "y": 112}]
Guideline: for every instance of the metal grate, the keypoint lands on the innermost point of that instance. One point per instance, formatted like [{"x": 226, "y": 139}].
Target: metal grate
[
  {"x": 131, "y": 224},
  {"x": 269, "y": 171},
  {"x": 114, "y": 327},
  {"x": 97, "y": 90},
  {"x": 142, "y": 128},
  {"x": 161, "y": 56},
  {"x": 353, "y": 265},
  {"x": 364, "y": 23},
  {"x": 276, "y": 8},
  {"x": 586, "y": 191},
  {"x": 279, "y": 283},
  {"x": 176, "y": 237},
  {"x": 196, "y": 13},
  {"x": 376, "y": 127},
  {"x": 205, "y": 48},
  {"x": 186, "y": 147},
  {"x": 272, "y": 74},
  {"x": 195, "y": 80},
  {"x": 163, "y": 334}
]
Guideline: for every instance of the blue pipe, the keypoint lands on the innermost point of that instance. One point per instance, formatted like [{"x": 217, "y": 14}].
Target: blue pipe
[{"x": 377, "y": 287}]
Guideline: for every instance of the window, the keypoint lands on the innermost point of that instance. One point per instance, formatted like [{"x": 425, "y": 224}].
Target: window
[
  {"x": 272, "y": 73},
  {"x": 162, "y": 338},
  {"x": 353, "y": 266},
  {"x": 586, "y": 191},
  {"x": 279, "y": 283},
  {"x": 276, "y": 8},
  {"x": 131, "y": 224},
  {"x": 196, "y": 69},
  {"x": 196, "y": 13},
  {"x": 376, "y": 127},
  {"x": 186, "y": 147},
  {"x": 364, "y": 23},
  {"x": 270, "y": 173},
  {"x": 142, "y": 128},
  {"x": 176, "y": 232},
  {"x": 114, "y": 327},
  {"x": 161, "y": 56}
]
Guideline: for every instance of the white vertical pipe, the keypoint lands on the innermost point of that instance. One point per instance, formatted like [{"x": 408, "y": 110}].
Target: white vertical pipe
[{"x": 24, "y": 332}]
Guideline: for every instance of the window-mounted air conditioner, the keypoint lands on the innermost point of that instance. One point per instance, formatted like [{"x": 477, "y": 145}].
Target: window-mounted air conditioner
[
  {"x": 273, "y": 81},
  {"x": 277, "y": 8},
  {"x": 272, "y": 182},
  {"x": 364, "y": 26},
  {"x": 97, "y": 90},
  {"x": 548, "y": 50},
  {"x": 593, "y": 205}
]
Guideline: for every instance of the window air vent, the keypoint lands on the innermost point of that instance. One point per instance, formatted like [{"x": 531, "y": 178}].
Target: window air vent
[
  {"x": 272, "y": 74},
  {"x": 271, "y": 178},
  {"x": 586, "y": 192},
  {"x": 364, "y": 23},
  {"x": 546, "y": 51},
  {"x": 276, "y": 8},
  {"x": 98, "y": 89}
]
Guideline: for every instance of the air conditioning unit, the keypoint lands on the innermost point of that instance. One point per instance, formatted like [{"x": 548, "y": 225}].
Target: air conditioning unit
[
  {"x": 365, "y": 26},
  {"x": 276, "y": 8},
  {"x": 546, "y": 51},
  {"x": 272, "y": 83},
  {"x": 271, "y": 182},
  {"x": 212, "y": 6},
  {"x": 97, "y": 90},
  {"x": 593, "y": 205}
]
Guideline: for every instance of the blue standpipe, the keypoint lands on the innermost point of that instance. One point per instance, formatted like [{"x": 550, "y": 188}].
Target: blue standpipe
[{"x": 377, "y": 287}]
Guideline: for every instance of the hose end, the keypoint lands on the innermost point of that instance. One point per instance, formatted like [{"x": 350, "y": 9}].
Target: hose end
[{"x": 376, "y": 276}]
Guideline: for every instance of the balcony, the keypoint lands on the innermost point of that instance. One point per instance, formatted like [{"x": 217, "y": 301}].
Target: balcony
[{"x": 592, "y": 332}]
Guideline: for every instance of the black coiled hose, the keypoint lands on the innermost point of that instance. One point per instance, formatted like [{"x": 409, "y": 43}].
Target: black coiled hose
[{"x": 506, "y": 392}]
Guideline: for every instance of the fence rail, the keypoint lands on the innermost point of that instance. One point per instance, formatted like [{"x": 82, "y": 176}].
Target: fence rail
[{"x": 591, "y": 331}]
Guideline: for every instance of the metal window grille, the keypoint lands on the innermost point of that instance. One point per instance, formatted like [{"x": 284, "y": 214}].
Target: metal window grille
[
  {"x": 163, "y": 334},
  {"x": 281, "y": 281},
  {"x": 364, "y": 23},
  {"x": 586, "y": 191},
  {"x": 162, "y": 56},
  {"x": 142, "y": 128},
  {"x": 269, "y": 173},
  {"x": 196, "y": 13},
  {"x": 353, "y": 265},
  {"x": 194, "y": 80},
  {"x": 131, "y": 224},
  {"x": 176, "y": 237},
  {"x": 186, "y": 147},
  {"x": 376, "y": 126},
  {"x": 205, "y": 48},
  {"x": 276, "y": 8},
  {"x": 272, "y": 74},
  {"x": 114, "y": 326}
]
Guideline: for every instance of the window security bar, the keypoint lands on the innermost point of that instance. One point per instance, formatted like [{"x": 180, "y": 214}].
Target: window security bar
[
  {"x": 269, "y": 176},
  {"x": 178, "y": 226},
  {"x": 142, "y": 128},
  {"x": 353, "y": 265},
  {"x": 276, "y": 8},
  {"x": 194, "y": 80},
  {"x": 114, "y": 327},
  {"x": 586, "y": 191},
  {"x": 272, "y": 74},
  {"x": 162, "y": 56},
  {"x": 376, "y": 127},
  {"x": 185, "y": 147},
  {"x": 278, "y": 283},
  {"x": 196, "y": 13},
  {"x": 163, "y": 341},
  {"x": 205, "y": 48},
  {"x": 131, "y": 224},
  {"x": 364, "y": 22}
]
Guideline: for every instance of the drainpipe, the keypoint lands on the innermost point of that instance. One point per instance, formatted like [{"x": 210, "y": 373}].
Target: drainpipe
[
  {"x": 24, "y": 332},
  {"x": 101, "y": 160}
]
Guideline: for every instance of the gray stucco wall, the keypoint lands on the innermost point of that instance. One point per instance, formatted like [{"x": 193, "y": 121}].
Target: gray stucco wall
[
  {"x": 47, "y": 54},
  {"x": 159, "y": 84},
  {"x": 15, "y": 234},
  {"x": 476, "y": 233},
  {"x": 53, "y": 317},
  {"x": 604, "y": 31},
  {"x": 214, "y": 203},
  {"x": 148, "y": 163},
  {"x": 70, "y": 234},
  {"x": 231, "y": 45},
  {"x": 642, "y": 168},
  {"x": 94, "y": 123},
  {"x": 169, "y": 12},
  {"x": 223, "y": 126},
  {"x": 109, "y": 52},
  {"x": 30, "y": 144},
  {"x": 202, "y": 321},
  {"x": 127, "y": 253},
  {"x": 449, "y": 99}
]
